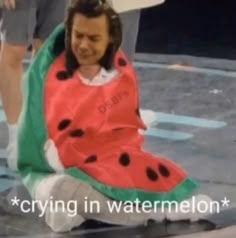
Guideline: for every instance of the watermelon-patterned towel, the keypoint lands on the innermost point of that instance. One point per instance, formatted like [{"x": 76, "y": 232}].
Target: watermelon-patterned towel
[{"x": 95, "y": 131}]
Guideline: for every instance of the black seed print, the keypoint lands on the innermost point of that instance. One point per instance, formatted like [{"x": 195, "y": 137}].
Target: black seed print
[
  {"x": 151, "y": 174},
  {"x": 77, "y": 133},
  {"x": 62, "y": 75},
  {"x": 64, "y": 124},
  {"x": 124, "y": 159},
  {"x": 91, "y": 159},
  {"x": 163, "y": 170},
  {"x": 122, "y": 62}
]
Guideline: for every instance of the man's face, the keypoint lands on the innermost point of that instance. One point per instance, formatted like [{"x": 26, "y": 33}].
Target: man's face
[{"x": 89, "y": 39}]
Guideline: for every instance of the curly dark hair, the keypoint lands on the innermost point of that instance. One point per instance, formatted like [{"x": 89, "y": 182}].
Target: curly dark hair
[{"x": 90, "y": 9}]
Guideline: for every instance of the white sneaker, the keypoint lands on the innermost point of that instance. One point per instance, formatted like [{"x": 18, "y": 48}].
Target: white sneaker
[
  {"x": 192, "y": 209},
  {"x": 61, "y": 220}
]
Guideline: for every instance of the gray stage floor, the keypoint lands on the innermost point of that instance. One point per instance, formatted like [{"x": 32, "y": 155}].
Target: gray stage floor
[{"x": 195, "y": 125}]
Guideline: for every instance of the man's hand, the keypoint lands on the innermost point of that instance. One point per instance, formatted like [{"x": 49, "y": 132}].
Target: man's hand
[{"x": 8, "y": 4}]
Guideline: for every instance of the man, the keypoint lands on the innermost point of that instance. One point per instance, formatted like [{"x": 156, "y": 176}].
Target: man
[
  {"x": 130, "y": 16},
  {"x": 24, "y": 22},
  {"x": 79, "y": 139}
]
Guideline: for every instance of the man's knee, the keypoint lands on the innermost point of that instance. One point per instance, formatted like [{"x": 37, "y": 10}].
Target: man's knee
[{"x": 13, "y": 55}]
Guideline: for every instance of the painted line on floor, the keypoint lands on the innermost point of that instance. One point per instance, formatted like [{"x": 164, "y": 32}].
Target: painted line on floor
[
  {"x": 4, "y": 171},
  {"x": 149, "y": 65},
  {"x": 142, "y": 64},
  {"x": 6, "y": 184},
  {"x": 154, "y": 119},
  {"x": 188, "y": 121},
  {"x": 167, "y": 134}
]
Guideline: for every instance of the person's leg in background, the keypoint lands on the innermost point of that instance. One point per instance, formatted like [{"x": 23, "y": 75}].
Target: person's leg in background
[
  {"x": 27, "y": 21},
  {"x": 17, "y": 30},
  {"x": 0, "y": 28},
  {"x": 50, "y": 14},
  {"x": 130, "y": 24}
]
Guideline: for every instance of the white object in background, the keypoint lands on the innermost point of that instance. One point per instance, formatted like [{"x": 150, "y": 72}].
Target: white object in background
[
  {"x": 124, "y": 5},
  {"x": 148, "y": 116}
]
